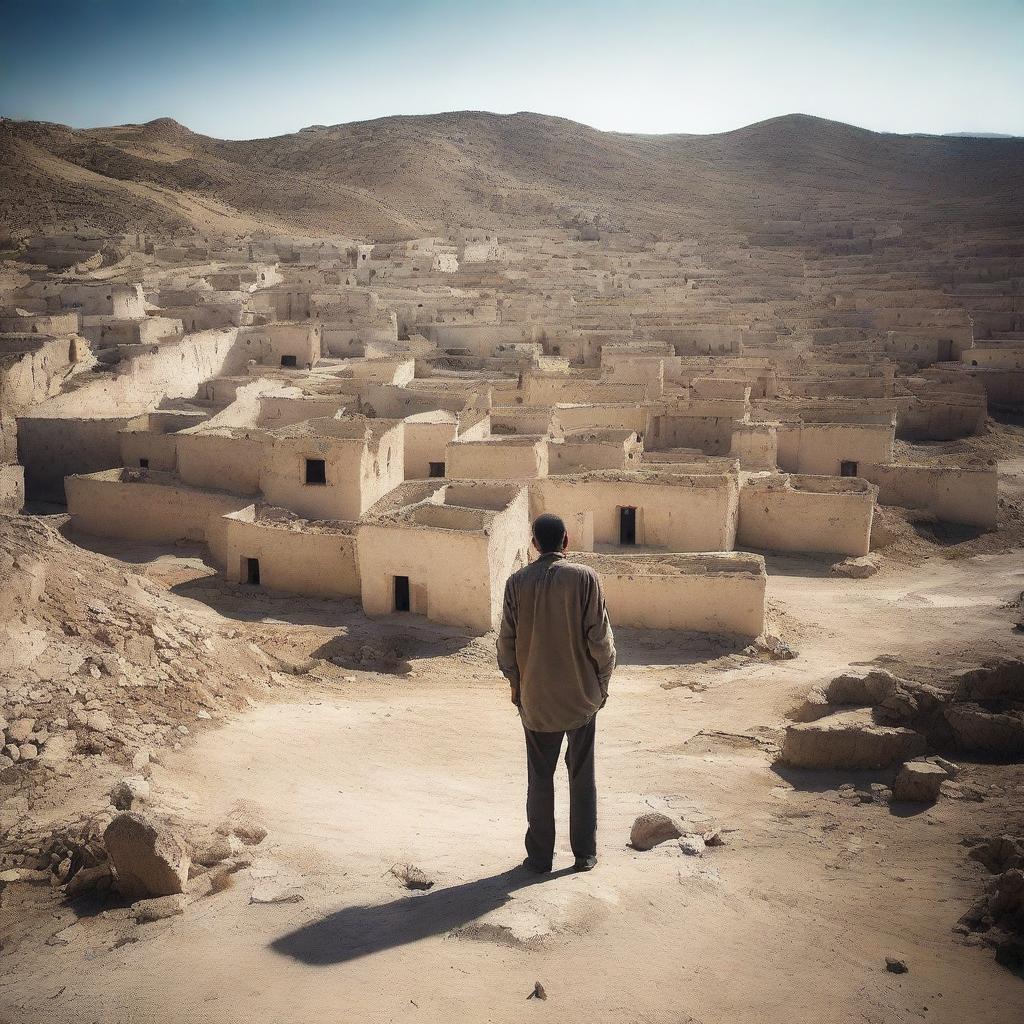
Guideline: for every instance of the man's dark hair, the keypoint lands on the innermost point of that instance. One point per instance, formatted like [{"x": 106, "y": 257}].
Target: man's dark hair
[{"x": 549, "y": 532}]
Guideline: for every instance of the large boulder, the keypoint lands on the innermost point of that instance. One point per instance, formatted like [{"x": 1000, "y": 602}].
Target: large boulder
[
  {"x": 849, "y": 739},
  {"x": 147, "y": 859},
  {"x": 919, "y": 782}
]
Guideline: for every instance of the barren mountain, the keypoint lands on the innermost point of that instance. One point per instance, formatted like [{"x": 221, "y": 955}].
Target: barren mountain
[{"x": 406, "y": 176}]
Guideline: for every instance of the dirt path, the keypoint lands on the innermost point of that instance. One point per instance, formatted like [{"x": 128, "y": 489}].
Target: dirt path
[{"x": 790, "y": 921}]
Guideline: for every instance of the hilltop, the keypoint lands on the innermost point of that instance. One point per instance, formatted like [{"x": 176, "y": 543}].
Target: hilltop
[{"x": 405, "y": 176}]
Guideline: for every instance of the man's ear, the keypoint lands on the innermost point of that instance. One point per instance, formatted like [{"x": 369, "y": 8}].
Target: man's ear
[
  {"x": 534, "y": 544},
  {"x": 565, "y": 541}
]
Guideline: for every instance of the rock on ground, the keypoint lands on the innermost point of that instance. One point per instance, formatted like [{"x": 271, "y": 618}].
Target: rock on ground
[
  {"x": 653, "y": 828},
  {"x": 129, "y": 792},
  {"x": 849, "y": 739},
  {"x": 411, "y": 876},
  {"x": 692, "y": 845},
  {"x": 147, "y": 859},
  {"x": 919, "y": 782},
  {"x": 243, "y": 822},
  {"x": 858, "y": 568},
  {"x": 273, "y": 890},
  {"x": 89, "y": 880}
]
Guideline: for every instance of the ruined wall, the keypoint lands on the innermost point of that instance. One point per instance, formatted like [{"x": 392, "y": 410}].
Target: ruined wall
[
  {"x": 160, "y": 451},
  {"x": 54, "y": 448},
  {"x": 824, "y": 446},
  {"x": 779, "y": 512},
  {"x": 508, "y": 549},
  {"x": 317, "y": 564},
  {"x": 756, "y": 445},
  {"x": 701, "y": 598},
  {"x": 600, "y": 417},
  {"x": 689, "y": 513},
  {"x": 576, "y": 456},
  {"x": 31, "y": 371},
  {"x": 144, "y": 507},
  {"x": 448, "y": 573},
  {"x": 226, "y": 461},
  {"x": 78, "y": 432},
  {"x": 426, "y": 442},
  {"x": 489, "y": 460},
  {"x": 950, "y": 493},
  {"x": 711, "y": 434},
  {"x": 284, "y": 410}
]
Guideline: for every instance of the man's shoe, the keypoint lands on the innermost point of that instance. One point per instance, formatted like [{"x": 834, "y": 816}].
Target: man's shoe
[
  {"x": 537, "y": 869},
  {"x": 585, "y": 864}
]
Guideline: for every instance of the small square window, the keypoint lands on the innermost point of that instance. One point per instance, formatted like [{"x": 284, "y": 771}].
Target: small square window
[
  {"x": 847, "y": 468},
  {"x": 144, "y": 463},
  {"x": 316, "y": 471},
  {"x": 289, "y": 361},
  {"x": 437, "y": 469}
]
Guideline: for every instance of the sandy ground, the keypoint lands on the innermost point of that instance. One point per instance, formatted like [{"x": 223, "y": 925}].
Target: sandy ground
[{"x": 355, "y": 771}]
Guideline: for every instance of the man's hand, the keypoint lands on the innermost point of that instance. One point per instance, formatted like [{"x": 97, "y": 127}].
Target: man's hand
[{"x": 515, "y": 694}]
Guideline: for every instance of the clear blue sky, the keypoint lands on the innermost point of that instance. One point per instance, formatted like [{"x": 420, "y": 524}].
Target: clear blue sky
[{"x": 249, "y": 68}]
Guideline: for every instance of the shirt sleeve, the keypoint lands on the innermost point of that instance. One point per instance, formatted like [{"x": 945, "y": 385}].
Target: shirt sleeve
[
  {"x": 507, "y": 637},
  {"x": 597, "y": 630}
]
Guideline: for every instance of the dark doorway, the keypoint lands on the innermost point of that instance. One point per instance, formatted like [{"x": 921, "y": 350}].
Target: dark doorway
[
  {"x": 316, "y": 471},
  {"x": 847, "y": 468},
  {"x": 437, "y": 469},
  {"x": 252, "y": 571},
  {"x": 289, "y": 361},
  {"x": 627, "y": 525},
  {"x": 144, "y": 463},
  {"x": 401, "y": 593}
]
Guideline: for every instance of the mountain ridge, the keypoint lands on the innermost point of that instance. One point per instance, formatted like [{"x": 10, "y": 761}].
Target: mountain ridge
[{"x": 404, "y": 175}]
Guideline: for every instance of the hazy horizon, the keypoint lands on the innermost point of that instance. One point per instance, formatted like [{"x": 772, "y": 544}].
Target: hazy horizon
[{"x": 254, "y": 68}]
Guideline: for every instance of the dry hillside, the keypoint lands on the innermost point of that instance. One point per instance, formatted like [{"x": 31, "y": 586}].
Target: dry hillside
[{"x": 407, "y": 176}]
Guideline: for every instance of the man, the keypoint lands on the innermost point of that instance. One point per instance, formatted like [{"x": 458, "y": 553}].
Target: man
[{"x": 557, "y": 651}]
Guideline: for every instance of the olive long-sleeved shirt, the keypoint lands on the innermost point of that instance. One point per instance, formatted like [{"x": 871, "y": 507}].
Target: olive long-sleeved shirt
[{"x": 555, "y": 645}]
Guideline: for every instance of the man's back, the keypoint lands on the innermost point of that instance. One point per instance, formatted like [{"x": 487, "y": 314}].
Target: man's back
[{"x": 556, "y": 643}]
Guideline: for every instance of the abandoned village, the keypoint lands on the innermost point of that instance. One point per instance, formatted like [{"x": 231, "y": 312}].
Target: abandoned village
[{"x": 343, "y": 422}]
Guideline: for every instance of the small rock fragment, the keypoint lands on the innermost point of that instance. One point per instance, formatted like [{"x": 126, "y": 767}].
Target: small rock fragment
[
  {"x": 692, "y": 845},
  {"x": 271, "y": 890},
  {"x": 896, "y": 966},
  {"x": 129, "y": 792},
  {"x": 411, "y": 876},
  {"x": 653, "y": 828},
  {"x": 19, "y": 730},
  {"x": 538, "y": 991},
  {"x": 88, "y": 879},
  {"x": 858, "y": 568}
]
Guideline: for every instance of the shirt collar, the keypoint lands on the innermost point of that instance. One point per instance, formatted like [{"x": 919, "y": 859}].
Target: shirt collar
[{"x": 551, "y": 554}]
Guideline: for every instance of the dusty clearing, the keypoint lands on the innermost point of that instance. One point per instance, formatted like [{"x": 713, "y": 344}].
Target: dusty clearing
[{"x": 354, "y": 771}]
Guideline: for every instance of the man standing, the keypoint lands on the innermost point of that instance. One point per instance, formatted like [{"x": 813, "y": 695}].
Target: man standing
[{"x": 557, "y": 651}]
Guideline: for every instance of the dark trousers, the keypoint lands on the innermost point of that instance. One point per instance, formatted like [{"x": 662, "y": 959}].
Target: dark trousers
[{"x": 542, "y": 749}]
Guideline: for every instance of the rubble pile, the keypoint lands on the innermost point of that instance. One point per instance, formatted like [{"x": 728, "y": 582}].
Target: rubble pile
[
  {"x": 878, "y": 719},
  {"x": 98, "y": 670},
  {"x": 997, "y": 918}
]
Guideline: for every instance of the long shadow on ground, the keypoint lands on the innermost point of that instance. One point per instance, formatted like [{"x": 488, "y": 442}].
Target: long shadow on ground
[{"x": 358, "y": 931}]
